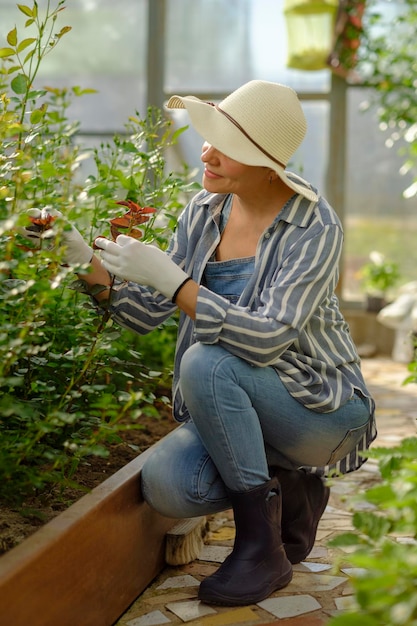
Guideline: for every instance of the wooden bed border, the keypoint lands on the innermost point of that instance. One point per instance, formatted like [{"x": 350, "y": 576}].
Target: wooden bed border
[{"x": 86, "y": 566}]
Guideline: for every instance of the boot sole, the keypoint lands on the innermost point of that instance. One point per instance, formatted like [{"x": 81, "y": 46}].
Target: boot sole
[
  {"x": 297, "y": 557},
  {"x": 246, "y": 600}
]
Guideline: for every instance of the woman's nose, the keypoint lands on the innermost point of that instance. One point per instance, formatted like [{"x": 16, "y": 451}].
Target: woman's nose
[{"x": 207, "y": 151}]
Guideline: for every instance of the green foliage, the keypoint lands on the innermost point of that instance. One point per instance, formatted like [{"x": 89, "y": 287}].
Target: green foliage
[
  {"x": 379, "y": 275},
  {"x": 385, "y": 590},
  {"x": 388, "y": 64},
  {"x": 157, "y": 348},
  {"x": 384, "y": 543},
  {"x": 69, "y": 379},
  {"x": 412, "y": 367}
]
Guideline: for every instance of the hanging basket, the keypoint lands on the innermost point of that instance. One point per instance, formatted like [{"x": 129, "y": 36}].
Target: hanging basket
[{"x": 310, "y": 26}]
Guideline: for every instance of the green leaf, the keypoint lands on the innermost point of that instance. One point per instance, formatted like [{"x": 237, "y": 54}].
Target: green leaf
[
  {"x": 374, "y": 526},
  {"x": 382, "y": 496},
  {"x": 35, "y": 94},
  {"x": 63, "y": 31},
  {"x": 12, "y": 37},
  {"x": 178, "y": 132},
  {"x": 346, "y": 539},
  {"x": 129, "y": 146},
  {"x": 19, "y": 84},
  {"x": 6, "y": 52},
  {"x": 37, "y": 116},
  {"x": 77, "y": 91},
  {"x": 29, "y": 22},
  {"x": 25, "y": 9},
  {"x": 54, "y": 117},
  {"x": 25, "y": 43},
  {"x": 13, "y": 69},
  {"x": 29, "y": 55}
]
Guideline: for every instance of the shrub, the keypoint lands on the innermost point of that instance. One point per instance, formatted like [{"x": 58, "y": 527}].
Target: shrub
[
  {"x": 68, "y": 377},
  {"x": 384, "y": 544}
]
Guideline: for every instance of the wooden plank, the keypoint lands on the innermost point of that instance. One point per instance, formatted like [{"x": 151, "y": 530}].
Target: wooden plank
[{"x": 87, "y": 565}]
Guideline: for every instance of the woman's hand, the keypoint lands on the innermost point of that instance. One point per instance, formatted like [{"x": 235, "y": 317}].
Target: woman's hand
[
  {"x": 130, "y": 259},
  {"x": 76, "y": 250}
]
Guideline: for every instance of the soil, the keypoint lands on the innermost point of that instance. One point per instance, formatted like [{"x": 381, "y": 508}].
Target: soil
[{"x": 18, "y": 523}]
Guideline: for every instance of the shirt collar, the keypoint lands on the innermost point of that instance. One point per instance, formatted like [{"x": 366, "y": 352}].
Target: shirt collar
[{"x": 298, "y": 210}]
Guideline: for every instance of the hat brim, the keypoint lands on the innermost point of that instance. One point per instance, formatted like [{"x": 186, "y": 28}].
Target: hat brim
[{"x": 220, "y": 132}]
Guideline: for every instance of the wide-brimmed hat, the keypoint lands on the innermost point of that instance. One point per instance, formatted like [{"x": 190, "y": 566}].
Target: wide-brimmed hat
[{"x": 261, "y": 123}]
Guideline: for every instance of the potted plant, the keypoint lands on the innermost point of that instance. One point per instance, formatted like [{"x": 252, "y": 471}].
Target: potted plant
[{"x": 378, "y": 276}]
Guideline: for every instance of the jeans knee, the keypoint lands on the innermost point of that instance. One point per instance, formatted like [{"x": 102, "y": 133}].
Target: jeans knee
[
  {"x": 150, "y": 483},
  {"x": 182, "y": 497},
  {"x": 201, "y": 362},
  {"x": 194, "y": 363},
  {"x": 155, "y": 491}
]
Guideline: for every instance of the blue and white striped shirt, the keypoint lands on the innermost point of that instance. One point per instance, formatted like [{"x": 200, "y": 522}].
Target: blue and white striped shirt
[{"x": 287, "y": 316}]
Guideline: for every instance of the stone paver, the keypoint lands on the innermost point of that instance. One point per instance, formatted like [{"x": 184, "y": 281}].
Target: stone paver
[{"x": 316, "y": 593}]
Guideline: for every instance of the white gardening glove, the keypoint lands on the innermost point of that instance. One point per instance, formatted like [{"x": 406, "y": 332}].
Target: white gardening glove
[
  {"x": 130, "y": 259},
  {"x": 77, "y": 251}
]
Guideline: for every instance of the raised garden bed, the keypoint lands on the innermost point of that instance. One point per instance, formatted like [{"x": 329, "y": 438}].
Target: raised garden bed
[
  {"x": 86, "y": 565},
  {"x": 90, "y": 562}
]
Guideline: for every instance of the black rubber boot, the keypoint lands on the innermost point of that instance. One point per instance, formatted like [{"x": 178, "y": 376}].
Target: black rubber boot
[
  {"x": 304, "y": 498},
  {"x": 258, "y": 565}
]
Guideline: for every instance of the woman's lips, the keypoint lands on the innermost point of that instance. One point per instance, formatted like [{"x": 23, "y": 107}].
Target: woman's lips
[{"x": 209, "y": 174}]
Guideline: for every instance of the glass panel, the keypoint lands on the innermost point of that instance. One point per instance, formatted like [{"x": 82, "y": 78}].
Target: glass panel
[
  {"x": 310, "y": 160},
  {"x": 207, "y": 45},
  {"x": 105, "y": 50},
  {"x": 216, "y": 45},
  {"x": 377, "y": 217}
]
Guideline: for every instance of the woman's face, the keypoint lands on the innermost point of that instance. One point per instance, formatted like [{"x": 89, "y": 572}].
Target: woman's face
[{"x": 225, "y": 175}]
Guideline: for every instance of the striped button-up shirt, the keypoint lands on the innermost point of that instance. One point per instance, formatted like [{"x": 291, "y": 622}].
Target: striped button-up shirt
[{"x": 287, "y": 317}]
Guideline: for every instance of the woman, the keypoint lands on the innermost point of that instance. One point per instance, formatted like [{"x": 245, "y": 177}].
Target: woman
[{"x": 267, "y": 381}]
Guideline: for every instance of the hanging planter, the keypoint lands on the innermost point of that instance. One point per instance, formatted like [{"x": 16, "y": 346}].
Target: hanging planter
[{"x": 310, "y": 26}]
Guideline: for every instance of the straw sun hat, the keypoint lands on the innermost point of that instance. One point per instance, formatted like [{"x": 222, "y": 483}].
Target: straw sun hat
[{"x": 261, "y": 123}]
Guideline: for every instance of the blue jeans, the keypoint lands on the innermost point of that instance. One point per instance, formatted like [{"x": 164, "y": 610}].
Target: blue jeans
[{"x": 243, "y": 420}]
